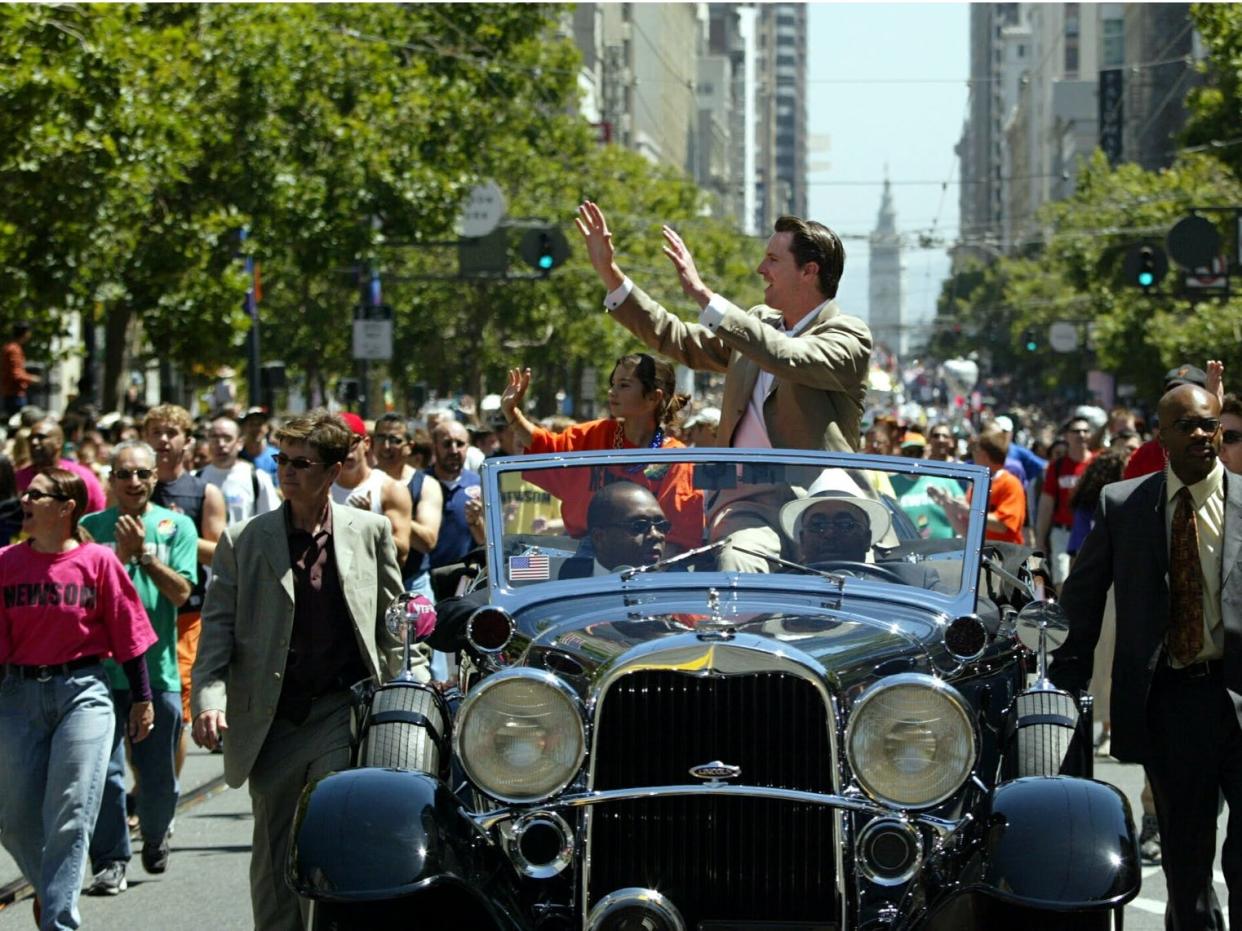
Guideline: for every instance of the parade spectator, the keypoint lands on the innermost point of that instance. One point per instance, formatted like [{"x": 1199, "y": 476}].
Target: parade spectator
[
  {"x": 795, "y": 367},
  {"x": 1162, "y": 542},
  {"x": 881, "y": 437},
  {"x": 248, "y": 491},
  {"x": 458, "y": 485},
  {"x": 159, "y": 549},
  {"x": 166, "y": 429},
  {"x": 56, "y": 710},
  {"x": 1055, "y": 516},
  {"x": 941, "y": 444},
  {"x": 642, "y": 401},
  {"x": 361, "y": 486},
  {"x": 294, "y": 616},
  {"x": 700, "y": 428},
  {"x": 390, "y": 443},
  {"x": 10, "y": 505},
  {"x": 14, "y": 379},
  {"x": 422, "y": 452},
  {"x": 255, "y": 448},
  {"x": 1231, "y": 433},
  {"x": 1023, "y": 464},
  {"x": 913, "y": 493},
  {"x": 47, "y": 441},
  {"x": 1006, "y": 500}
]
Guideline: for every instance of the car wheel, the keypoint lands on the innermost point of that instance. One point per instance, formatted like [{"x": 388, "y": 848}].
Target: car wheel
[
  {"x": 405, "y": 726},
  {"x": 1046, "y": 722}
]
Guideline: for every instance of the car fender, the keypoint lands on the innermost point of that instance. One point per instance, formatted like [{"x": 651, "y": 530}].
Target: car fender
[
  {"x": 370, "y": 833},
  {"x": 1059, "y": 843}
]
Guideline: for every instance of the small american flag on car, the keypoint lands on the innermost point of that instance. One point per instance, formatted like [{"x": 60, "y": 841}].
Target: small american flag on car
[{"x": 528, "y": 568}]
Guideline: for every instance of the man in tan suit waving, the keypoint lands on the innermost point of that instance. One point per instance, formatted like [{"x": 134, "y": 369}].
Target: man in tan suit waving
[
  {"x": 294, "y": 616},
  {"x": 795, "y": 367}
]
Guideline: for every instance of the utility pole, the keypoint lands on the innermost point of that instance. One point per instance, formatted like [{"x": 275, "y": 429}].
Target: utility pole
[{"x": 254, "y": 374}]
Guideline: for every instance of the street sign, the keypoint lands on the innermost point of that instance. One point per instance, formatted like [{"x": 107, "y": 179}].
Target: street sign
[
  {"x": 1193, "y": 241},
  {"x": 1209, "y": 280},
  {"x": 373, "y": 339},
  {"x": 482, "y": 211},
  {"x": 1063, "y": 336}
]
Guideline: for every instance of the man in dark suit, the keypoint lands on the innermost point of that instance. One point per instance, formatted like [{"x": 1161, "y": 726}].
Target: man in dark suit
[
  {"x": 1171, "y": 541},
  {"x": 627, "y": 528},
  {"x": 795, "y": 367}
]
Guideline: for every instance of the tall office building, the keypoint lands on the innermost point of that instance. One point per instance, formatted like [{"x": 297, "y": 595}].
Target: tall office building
[
  {"x": 886, "y": 316},
  {"x": 780, "y": 103}
]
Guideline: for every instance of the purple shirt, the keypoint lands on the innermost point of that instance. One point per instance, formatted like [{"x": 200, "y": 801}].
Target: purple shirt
[{"x": 95, "y": 499}]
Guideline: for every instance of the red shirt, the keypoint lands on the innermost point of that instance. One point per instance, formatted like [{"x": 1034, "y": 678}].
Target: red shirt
[
  {"x": 673, "y": 486},
  {"x": 14, "y": 379},
  {"x": 1147, "y": 459},
  {"x": 58, "y": 607},
  {"x": 1007, "y": 503},
  {"x": 1059, "y": 480}
]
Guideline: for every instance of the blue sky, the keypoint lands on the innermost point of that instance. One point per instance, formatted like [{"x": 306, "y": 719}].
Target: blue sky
[{"x": 886, "y": 85}]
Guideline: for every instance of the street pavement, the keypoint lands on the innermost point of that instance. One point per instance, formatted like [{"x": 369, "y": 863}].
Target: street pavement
[{"x": 206, "y": 884}]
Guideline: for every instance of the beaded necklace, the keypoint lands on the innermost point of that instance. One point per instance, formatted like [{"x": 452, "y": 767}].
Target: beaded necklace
[{"x": 657, "y": 440}]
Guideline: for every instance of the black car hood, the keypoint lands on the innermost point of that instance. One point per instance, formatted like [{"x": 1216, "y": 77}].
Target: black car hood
[{"x": 851, "y": 642}]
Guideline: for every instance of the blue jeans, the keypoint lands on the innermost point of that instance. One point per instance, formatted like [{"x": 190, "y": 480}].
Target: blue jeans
[
  {"x": 154, "y": 761},
  {"x": 53, "y": 759}
]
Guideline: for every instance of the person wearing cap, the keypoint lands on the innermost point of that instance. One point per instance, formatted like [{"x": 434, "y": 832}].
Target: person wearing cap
[
  {"x": 795, "y": 367},
  {"x": 248, "y": 491},
  {"x": 361, "y": 486},
  {"x": 912, "y": 492},
  {"x": 1006, "y": 499},
  {"x": 14, "y": 379},
  {"x": 255, "y": 448},
  {"x": 1020, "y": 462},
  {"x": 1150, "y": 457}
]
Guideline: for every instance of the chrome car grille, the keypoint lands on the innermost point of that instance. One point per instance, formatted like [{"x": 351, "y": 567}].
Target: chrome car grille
[{"x": 716, "y": 858}]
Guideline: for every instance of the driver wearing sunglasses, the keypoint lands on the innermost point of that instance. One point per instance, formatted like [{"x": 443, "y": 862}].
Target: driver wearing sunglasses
[{"x": 626, "y": 527}]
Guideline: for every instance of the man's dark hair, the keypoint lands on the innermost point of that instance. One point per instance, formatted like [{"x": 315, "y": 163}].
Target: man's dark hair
[
  {"x": 421, "y": 445},
  {"x": 814, "y": 242},
  {"x": 1232, "y": 404},
  {"x": 393, "y": 417}
]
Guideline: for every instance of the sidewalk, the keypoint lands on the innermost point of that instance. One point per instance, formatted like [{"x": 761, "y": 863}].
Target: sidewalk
[{"x": 200, "y": 768}]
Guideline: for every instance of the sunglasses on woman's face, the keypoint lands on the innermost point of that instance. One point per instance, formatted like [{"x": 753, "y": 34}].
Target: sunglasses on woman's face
[
  {"x": 301, "y": 463},
  {"x": 33, "y": 494}
]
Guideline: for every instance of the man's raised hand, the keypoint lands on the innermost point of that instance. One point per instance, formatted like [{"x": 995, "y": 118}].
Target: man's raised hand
[
  {"x": 594, "y": 229},
  {"x": 687, "y": 273}
]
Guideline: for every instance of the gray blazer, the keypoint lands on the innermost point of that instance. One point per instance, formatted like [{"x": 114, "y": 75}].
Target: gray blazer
[
  {"x": 816, "y": 400},
  {"x": 1128, "y": 547},
  {"x": 248, "y": 620}
]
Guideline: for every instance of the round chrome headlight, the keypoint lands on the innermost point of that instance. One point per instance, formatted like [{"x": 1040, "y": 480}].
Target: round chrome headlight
[
  {"x": 520, "y": 736},
  {"x": 910, "y": 741}
]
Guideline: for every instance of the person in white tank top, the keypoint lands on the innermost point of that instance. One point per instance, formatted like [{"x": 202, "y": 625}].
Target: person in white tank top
[{"x": 361, "y": 486}]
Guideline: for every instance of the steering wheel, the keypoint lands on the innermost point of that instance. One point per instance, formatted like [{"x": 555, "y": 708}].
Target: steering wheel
[{"x": 851, "y": 567}]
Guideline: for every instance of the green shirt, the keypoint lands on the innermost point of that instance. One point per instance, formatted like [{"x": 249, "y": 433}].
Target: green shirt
[
  {"x": 928, "y": 517},
  {"x": 171, "y": 537}
]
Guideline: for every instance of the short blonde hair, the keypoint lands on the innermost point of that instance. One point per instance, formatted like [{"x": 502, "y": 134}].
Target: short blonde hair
[{"x": 174, "y": 414}]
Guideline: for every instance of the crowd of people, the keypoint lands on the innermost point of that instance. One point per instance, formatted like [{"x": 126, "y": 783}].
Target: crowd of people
[{"x": 176, "y": 576}]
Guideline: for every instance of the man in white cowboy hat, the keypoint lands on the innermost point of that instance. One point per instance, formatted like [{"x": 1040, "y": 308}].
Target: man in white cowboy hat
[{"x": 831, "y": 524}]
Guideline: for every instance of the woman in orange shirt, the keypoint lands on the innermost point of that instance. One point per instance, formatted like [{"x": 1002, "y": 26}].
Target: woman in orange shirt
[{"x": 642, "y": 402}]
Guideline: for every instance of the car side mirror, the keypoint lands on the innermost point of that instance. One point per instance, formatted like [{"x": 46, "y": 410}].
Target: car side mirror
[
  {"x": 411, "y": 618},
  {"x": 1043, "y": 627}
]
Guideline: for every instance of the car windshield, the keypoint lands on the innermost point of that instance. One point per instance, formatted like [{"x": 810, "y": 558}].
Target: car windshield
[{"x": 637, "y": 513}]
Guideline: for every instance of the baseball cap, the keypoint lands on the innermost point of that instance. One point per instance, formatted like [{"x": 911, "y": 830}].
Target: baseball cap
[
  {"x": 913, "y": 439},
  {"x": 253, "y": 412},
  {"x": 1185, "y": 374},
  {"x": 354, "y": 422},
  {"x": 1004, "y": 423}
]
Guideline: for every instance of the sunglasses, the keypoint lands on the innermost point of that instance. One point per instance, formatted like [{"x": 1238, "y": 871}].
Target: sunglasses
[
  {"x": 841, "y": 523},
  {"x": 388, "y": 439},
  {"x": 301, "y": 463},
  {"x": 641, "y": 526},
  {"x": 1188, "y": 425},
  {"x": 1229, "y": 437},
  {"x": 126, "y": 474},
  {"x": 33, "y": 494}
]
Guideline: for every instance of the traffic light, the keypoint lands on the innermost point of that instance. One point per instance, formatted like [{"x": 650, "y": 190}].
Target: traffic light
[
  {"x": 544, "y": 248},
  {"x": 1030, "y": 340},
  {"x": 1146, "y": 266}
]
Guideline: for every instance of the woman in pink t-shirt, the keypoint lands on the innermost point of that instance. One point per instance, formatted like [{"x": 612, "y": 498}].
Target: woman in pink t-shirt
[{"x": 65, "y": 604}]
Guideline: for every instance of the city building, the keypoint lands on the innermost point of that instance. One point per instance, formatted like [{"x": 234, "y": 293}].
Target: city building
[
  {"x": 780, "y": 117},
  {"x": 886, "y": 294}
]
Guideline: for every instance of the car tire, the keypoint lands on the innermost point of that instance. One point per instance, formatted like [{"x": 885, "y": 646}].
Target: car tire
[
  {"x": 403, "y": 744},
  {"x": 1042, "y": 745}
]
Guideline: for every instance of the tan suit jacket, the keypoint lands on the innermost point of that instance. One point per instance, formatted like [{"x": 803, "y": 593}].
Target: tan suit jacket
[
  {"x": 248, "y": 620},
  {"x": 816, "y": 401}
]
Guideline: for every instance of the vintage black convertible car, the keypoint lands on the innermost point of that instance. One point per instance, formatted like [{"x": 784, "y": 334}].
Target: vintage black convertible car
[{"x": 851, "y": 733}]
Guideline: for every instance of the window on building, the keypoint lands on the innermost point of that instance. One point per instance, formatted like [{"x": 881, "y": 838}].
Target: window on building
[
  {"x": 1071, "y": 19},
  {"x": 1112, "y": 43},
  {"x": 1071, "y": 56},
  {"x": 1021, "y": 50}
]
